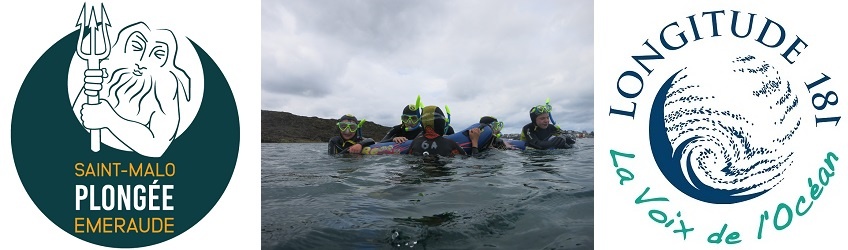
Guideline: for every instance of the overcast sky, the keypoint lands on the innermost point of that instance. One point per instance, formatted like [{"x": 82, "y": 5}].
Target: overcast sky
[{"x": 371, "y": 58}]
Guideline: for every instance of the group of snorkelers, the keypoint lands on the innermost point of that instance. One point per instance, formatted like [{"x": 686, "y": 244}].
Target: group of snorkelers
[{"x": 427, "y": 126}]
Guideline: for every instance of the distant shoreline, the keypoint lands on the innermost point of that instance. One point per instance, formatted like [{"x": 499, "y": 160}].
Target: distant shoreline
[{"x": 285, "y": 127}]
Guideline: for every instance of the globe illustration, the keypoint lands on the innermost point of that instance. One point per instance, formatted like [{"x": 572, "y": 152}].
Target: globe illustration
[{"x": 719, "y": 132}]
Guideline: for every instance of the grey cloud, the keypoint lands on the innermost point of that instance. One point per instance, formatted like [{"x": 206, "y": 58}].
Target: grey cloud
[
  {"x": 297, "y": 86},
  {"x": 480, "y": 57},
  {"x": 380, "y": 26},
  {"x": 306, "y": 80}
]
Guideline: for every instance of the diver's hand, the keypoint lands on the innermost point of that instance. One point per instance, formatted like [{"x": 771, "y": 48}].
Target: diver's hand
[
  {"x": 474, "y": 135},
  {"x": 399, "y": 139},
  {"x": 355, "y": 149},
  {"x": 570, "y": 140},
  {"x": 553, "y": 142},
  {"x": 559, "y": 142}
]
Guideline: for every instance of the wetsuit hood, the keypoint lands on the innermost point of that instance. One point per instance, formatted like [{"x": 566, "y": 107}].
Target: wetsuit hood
[
  {"x": 411, "y": 109},
  {"x": 489, "y": 120},
  {"x": 433, "y": 117}
]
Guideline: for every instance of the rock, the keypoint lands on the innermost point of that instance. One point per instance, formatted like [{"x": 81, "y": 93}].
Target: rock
[{"x": 284, "y": 127}]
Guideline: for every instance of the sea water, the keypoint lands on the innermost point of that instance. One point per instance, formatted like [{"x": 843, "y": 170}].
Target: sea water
[{"x": 504, "y": 200}]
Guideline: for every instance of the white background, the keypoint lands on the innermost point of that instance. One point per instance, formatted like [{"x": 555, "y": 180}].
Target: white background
[
  {"x": 620, "y": 29},
  {"x": 229, "y": 31}
]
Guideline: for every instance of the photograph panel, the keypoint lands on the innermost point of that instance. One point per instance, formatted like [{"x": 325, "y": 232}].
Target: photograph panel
[{"x": 495, "y": 142}]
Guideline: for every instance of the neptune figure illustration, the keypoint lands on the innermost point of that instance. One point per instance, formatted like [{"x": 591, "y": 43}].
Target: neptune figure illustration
[
  {"x": 719, "y": 134},
  {"x": 135, "y": 96}
]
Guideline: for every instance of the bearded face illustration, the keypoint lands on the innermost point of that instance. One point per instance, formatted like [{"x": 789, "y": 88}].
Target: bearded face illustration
[{"x": 140, "y": 98}]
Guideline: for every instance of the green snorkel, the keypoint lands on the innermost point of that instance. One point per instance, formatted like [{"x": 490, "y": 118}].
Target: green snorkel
[
  {"x": 447, "y": 121},
  {"x": 359, "y": 128}
]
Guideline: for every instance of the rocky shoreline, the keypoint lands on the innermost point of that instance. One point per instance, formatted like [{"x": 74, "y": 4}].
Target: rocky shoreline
[{"x": 284, "y": 127}]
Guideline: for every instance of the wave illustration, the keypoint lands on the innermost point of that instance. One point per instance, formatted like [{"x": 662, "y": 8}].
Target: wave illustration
[{"x": 720, "y": 136}]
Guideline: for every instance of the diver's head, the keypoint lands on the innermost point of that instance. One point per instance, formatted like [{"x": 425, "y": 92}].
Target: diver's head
[
  {"x": 492, "y": 121},
  {"x": 348, "y": 126},
  {"x": 541, "y": 115},
  {"x": 410, "y": 116},
  {"x": 433, "y": 118}
]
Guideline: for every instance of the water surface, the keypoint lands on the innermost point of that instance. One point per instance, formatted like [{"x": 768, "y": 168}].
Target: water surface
[{"x": 506, "y": 200}]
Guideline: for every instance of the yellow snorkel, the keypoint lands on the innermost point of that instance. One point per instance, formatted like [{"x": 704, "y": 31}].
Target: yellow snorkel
[{"x": 447, "y": 121}]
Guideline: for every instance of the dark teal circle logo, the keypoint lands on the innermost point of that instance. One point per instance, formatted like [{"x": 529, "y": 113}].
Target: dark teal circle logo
[{"x": 120, "y": 198}]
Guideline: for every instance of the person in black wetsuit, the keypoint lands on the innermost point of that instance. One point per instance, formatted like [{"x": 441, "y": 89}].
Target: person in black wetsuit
[
  {"x": 432, "y": 143},
  {"x": 409, "y": 127},
  {"x": 495, "y": 141},
  {"x": 540, "y": 133},
  {"x": 350, "y": 138}
]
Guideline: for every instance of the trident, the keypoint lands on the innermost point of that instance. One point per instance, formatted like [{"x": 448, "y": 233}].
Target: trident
[{"x": 93, "y": 57}]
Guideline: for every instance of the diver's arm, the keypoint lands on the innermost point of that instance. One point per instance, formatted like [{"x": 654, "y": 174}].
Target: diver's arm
[
  {"x": 533, "y": 141},
  {"x": 458, "y": 149},
  {"x": 554, "y": 142},
  {"x": 474, "y": 137},
  {"x": 367, "y": 142},
  {"x": 498, "y": 143},
  {"x": 333, "y": 146},
  {"x": 391, "y": 134}
]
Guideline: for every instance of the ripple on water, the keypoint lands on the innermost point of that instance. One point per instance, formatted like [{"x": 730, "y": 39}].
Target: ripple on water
[{"x": 507, "y": 200}]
